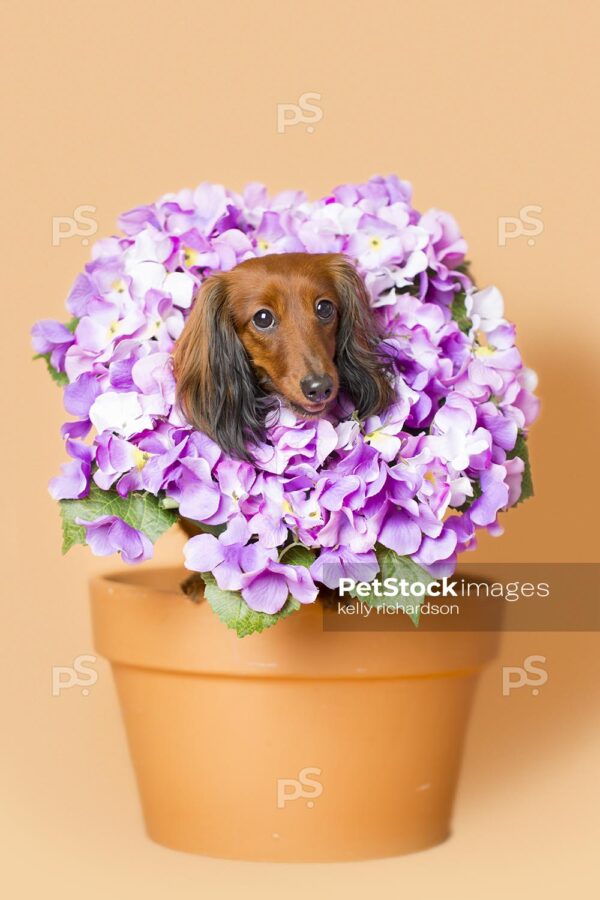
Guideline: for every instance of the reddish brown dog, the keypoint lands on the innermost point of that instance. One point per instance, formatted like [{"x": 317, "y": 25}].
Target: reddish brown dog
[{"x": 294, "y": 325}]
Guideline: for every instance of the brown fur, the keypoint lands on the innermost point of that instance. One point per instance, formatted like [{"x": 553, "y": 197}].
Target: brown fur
[{"x": 227, "y": 370}]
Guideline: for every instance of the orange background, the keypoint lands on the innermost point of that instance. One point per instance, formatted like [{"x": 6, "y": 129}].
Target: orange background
[{"x": 486, "y": 108}]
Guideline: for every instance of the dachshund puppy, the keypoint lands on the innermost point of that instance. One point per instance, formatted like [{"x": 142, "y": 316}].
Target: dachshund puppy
[{"x": 293, "y": 325}]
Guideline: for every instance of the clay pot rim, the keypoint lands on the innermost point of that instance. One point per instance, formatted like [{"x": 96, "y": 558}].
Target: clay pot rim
[{"x": 141, "y": 620}]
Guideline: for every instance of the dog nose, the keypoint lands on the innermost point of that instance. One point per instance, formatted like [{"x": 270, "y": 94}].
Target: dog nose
[{"x": 317, "y": 388}]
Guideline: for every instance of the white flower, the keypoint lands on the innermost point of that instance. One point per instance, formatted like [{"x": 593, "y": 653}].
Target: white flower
[
  {"x": 149, "y": 246},
  {"x": 180, "y": 286},
  {"x": 336, "y": 218},
  {"x": 486, "y": 309},
  {"x": 144, "y": 263},
  {"x": 120, "y": 413},
  {"x": 150, "y": 275},
  {"x": 528, "y": 379}
]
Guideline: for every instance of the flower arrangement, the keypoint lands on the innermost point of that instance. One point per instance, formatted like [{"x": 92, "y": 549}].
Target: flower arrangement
[{"x": 403, "y": 493}]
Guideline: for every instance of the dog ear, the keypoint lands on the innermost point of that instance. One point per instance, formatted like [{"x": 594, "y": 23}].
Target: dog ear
[
  {"x": 360, "y": 358},
  {"x": 217, "y": 390}
]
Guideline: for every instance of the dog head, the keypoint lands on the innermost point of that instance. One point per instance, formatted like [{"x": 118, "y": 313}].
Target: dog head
[{"x": 295, "y": 325}]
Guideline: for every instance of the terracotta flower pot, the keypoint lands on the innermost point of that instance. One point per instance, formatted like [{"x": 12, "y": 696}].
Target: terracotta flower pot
[{"x": 297, "y": 744}]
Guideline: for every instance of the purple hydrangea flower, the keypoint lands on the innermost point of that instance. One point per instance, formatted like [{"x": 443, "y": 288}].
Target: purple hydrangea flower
[
  {"x": 54, "y": 338},
  {"x": 109, "y": 534},
  {"x": 332, "y": 565},
  {"x": 229, "y": 557},
  {"x": 74, "y": 481},
  {"x": 267, "y": 589},
  {"x": 420, "y": 479}
]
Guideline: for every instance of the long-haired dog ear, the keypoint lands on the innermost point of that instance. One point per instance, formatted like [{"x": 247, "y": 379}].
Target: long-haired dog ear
[
  {"x": 217, "y": 390},
  {"x": 361, "y": 361}
]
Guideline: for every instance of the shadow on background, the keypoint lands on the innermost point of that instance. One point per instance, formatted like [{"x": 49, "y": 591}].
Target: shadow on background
[{"x": 513, "y": 737}]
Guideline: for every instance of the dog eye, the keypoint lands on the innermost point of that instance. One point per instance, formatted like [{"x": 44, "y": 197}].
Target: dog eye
[
  {"x": 325, "y": 309},
  {"x": 263, "y": 319}
]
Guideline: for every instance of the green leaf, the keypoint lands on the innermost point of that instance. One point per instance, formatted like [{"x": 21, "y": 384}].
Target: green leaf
[
  {"x": 72, "y": 532},
  {"x": 140, "y": 510},
  {"x": 522, "y": 451},
  {"x": 459, "y": 312},
  {"x": 391, "y": 565},
  {"x": 297, "y": 555},
  {"x": 215, "y": 530},
  {"x": 233, "y": 610},
  {"x": 465, "y": 268},
  {"x": 60, "y": 378}
]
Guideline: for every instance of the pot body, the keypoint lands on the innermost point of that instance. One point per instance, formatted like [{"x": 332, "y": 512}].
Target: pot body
[{"x": 297, "y": 744}]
